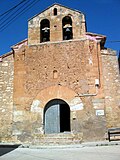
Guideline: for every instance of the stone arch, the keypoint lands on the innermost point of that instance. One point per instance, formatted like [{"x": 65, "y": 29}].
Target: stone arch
[{"x": 58, "y": 92}]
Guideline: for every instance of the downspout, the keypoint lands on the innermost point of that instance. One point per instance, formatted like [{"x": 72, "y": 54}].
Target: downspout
[{"x": 98, "y": 42}]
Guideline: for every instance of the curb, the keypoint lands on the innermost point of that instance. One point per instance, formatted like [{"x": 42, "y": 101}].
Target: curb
[
  {"x": 86, "y": 144},
  {"x": 54, "y": 146},
  {"x": 104, "y": 143}
]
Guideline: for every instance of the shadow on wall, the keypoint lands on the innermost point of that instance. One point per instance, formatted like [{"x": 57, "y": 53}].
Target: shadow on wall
[{"x": 4, "y": 149}]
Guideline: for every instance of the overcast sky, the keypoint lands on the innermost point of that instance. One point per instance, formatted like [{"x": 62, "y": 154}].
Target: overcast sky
[{"x": 102, "y": 17}]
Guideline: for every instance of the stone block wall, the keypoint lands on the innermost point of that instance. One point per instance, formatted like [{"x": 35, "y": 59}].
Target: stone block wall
[
  {"x": 6, "y": 96},
  {"x": 111, "y": 77}
]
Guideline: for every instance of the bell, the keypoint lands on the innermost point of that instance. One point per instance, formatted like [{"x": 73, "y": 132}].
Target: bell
[
  {"x": 45, "y": 31},
  {"x": 67, "y": 26},
  {"x": 67, "y": 30}
]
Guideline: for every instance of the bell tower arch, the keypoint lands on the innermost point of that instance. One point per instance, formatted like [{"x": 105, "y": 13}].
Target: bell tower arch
[
  {"x": 67, "y": 28},
  {"x": 45, "y": 30}
]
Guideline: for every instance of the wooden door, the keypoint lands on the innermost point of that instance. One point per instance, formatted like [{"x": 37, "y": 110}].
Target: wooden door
[{"x": 52, "y": 119}]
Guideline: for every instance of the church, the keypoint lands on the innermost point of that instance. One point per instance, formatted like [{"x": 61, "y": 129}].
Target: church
[{"x": 60, "y": 84}]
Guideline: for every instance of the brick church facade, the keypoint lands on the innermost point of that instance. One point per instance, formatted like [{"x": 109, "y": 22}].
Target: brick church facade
[{"x": 61, "y": 80}]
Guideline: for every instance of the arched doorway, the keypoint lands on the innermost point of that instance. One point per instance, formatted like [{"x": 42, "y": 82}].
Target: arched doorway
[{"x": 56, "y": 117}]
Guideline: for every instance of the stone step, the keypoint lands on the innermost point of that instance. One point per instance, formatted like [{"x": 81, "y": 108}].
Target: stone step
[
  {"x": 61, "y": 138},
  {"x": 60, "y": 135}
]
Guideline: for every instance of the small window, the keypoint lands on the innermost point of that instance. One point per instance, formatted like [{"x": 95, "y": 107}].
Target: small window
[
  {"x": 55, "y": 74},
  {"x": 55, "y": 11}
]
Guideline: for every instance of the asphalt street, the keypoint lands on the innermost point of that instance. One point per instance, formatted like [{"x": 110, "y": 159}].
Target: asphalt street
[{"x": 76, "y": 153}]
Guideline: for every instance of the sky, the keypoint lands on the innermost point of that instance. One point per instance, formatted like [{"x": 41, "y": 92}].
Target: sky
[{"x": 102, "y": 17}]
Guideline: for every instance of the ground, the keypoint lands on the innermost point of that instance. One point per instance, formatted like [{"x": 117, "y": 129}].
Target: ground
[{"x": 63, "y": 153}]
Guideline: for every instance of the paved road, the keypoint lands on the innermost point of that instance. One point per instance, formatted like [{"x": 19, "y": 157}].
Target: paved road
[{"x": 83, "y": 153}]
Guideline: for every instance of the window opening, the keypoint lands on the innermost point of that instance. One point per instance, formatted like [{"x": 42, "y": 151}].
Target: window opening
[
  {"x": 45, "y": 30},
  {"x": 55, "y": 11},
  {"x": 67, "y": 28},
  {"x": 55, "y": 74}
]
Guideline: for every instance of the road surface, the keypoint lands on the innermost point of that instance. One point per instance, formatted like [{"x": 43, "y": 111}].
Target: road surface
[{"x": 80, "y": 153}]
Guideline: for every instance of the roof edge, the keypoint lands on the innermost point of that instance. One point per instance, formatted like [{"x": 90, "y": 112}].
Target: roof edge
[
  {"x": 25, "y": 40},
  {"x": 95, "y": 34},
  {"x": 52, "y": 6},
  {"x": 6, "y": 54}
]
